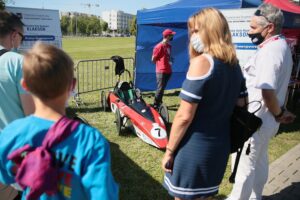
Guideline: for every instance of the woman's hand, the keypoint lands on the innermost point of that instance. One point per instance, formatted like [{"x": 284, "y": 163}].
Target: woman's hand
[{"x": 167, "y": 162}]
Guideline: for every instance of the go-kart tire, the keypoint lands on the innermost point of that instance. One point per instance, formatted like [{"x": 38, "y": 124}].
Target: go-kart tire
[
  {"x": 103, "y": 101},
  {"x": 118, "y": 121},
  {"x": 164, "y": 113}
]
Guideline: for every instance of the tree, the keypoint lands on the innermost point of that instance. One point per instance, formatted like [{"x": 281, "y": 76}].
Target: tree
[
  {"x": 82, "y": 22},
  {"x": 4, "y": 2},
  {"x": 104, "y": 25},
  {"x": 71, "y": 26},
  {"x": 93, "y": 26},
  {"x": 64, "y": 24},
  {"x": 2, "y": 5},
  {"x": 133, "y": 26},
  {"x": 82, "y": 25}
]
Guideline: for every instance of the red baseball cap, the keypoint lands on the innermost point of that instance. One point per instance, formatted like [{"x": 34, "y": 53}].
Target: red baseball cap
[{"x": 168, "y": 32}]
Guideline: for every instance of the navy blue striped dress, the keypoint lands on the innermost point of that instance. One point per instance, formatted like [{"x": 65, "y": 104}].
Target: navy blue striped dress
[{"x": 201, "y": 157}]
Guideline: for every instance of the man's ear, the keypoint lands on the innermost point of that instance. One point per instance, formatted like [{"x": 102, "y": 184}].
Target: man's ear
[
  {"x": 271, "y": 28},
  {"x": 24, "y": 85}
]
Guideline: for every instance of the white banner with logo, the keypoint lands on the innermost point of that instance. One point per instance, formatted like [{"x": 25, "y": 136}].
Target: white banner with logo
[
  {"x": 40, "y": 25},
  {"x": 239, "y": 25}
]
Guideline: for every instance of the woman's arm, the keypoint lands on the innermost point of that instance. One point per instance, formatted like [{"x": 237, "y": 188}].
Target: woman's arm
[
  {"x": 199, "y": 66},
  {"x": 181, "y": 122}
]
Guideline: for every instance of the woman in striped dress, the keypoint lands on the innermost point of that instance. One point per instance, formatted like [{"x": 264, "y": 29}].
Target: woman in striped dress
[{"x": 199, "y": 143}]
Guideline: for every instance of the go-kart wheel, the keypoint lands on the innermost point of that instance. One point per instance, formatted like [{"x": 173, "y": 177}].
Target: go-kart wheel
[
  {"x": 118, "y": 121},
  {"x": 163, "y": 111},
  {"x": 103, "y": 101}
]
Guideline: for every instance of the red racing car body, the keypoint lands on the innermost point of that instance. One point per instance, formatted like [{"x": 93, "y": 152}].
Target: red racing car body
[{"x": 130, "y": 108}]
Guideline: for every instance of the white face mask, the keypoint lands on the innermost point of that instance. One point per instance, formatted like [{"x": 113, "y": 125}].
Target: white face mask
[{"x": 197, "y": 43}]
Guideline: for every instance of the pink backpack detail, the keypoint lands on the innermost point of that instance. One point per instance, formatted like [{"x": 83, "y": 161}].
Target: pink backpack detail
[{"x": 37, "y": 169}]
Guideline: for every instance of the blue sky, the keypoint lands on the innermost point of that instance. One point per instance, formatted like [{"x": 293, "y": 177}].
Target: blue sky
[{"x": 96, "y": 6}]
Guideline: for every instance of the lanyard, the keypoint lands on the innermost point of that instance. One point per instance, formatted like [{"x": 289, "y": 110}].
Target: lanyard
[{"x": 274, "y": 38}]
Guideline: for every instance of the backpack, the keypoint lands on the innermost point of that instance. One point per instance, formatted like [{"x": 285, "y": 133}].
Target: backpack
[
  {"x": 37, "y": 170},
  {"x": 3, "y": 51}
]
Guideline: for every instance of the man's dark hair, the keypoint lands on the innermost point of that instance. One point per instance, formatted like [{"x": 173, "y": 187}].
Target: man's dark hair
[{"x": 8, "y": 22}]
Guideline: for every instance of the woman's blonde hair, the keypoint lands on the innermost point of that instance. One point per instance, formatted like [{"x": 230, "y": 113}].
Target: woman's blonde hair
[{"x": 214, "y": 32}]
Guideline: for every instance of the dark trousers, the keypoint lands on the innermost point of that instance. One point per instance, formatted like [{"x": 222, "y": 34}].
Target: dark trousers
[{"x": 161, "y": 81}]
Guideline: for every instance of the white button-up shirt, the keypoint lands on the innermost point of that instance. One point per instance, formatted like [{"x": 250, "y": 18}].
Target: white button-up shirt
[{"x": 269, "y": 68}]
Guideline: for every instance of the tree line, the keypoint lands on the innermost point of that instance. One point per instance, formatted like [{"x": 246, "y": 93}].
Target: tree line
[
  {"x": 85, "y": 25},
  {"x": 82, "y": 25},
  {"x": 90, "y": 25},
  {"x": 2, "y": 4}
]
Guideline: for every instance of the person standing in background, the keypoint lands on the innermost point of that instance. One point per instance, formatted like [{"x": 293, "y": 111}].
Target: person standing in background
[
  {"x": 162, "y": 58},
  {"x": 267, "y": 76},
  {"x": 14, "y": 102}
]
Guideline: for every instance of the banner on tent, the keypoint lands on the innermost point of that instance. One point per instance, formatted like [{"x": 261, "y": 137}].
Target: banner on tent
[
  {"x": 40, "y": 25},
  {"x": 239, "y": 21}
]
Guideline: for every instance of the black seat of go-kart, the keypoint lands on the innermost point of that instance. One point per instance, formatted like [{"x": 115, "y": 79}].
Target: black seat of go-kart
[
  {"x": 128, "y": 96},
  {"x": 126, "y": 93}
]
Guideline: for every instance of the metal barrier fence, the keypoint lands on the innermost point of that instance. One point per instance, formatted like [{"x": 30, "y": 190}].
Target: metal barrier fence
[{"x": 99, "y": 74}]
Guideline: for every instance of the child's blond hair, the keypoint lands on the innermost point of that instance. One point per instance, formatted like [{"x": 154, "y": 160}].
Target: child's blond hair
[{"x": 48, "y": 71}]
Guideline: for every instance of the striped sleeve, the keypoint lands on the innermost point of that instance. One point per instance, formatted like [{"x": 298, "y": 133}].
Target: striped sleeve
[{"x": 192, "y": 90}]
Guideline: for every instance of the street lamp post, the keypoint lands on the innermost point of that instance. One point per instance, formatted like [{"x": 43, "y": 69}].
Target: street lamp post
[{"x": 75, "y": 24}]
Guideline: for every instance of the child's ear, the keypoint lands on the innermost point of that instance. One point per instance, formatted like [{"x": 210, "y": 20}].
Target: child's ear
[{"x": 23, "y": 84}]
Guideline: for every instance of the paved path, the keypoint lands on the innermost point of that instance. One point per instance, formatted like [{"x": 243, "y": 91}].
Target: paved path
[{"x": 284, "y": 177}]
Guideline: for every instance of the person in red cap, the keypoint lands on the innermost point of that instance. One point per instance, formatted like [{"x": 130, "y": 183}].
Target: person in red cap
[{"x": 162, "y": 58}]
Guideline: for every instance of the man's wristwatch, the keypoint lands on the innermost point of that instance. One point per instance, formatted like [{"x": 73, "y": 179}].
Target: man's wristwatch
[{"x": 280, "y": 114}]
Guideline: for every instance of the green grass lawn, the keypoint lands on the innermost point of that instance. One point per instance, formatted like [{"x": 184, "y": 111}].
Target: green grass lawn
[
  {"x": 95, "y": 48},
  {"x": 136, "y": 165}
]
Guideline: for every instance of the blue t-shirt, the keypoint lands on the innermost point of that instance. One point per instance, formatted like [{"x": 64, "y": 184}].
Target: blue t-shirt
[
  {"x": 10, "y": 87},
  {"x": 83, "y": 158}
]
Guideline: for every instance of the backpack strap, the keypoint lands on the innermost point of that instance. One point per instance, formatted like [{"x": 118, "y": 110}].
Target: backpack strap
[
  {"x": 59, "y": 132},
  {"x": 37, "y": 169},
  {"x": 56, "y": 134},
  {"x": 3, "y": 51}
]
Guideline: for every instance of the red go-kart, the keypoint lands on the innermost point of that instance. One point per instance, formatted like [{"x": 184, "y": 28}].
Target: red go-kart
[{"x": 130, "y": 109}]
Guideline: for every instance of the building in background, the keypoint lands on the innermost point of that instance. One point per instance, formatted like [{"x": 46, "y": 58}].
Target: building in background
[{"x": 117, "y": 20}]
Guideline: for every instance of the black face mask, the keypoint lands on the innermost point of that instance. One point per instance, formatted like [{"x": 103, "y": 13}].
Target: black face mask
[
  {"x": 171, "y": 39},
  {"x": 256, "y": 38}
]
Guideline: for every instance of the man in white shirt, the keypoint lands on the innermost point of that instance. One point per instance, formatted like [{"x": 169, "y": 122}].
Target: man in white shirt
[{"x": 267, "y": 76}]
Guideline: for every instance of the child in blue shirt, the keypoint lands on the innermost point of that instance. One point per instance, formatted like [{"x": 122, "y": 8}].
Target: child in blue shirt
[{"x": 83, "y": 157}]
